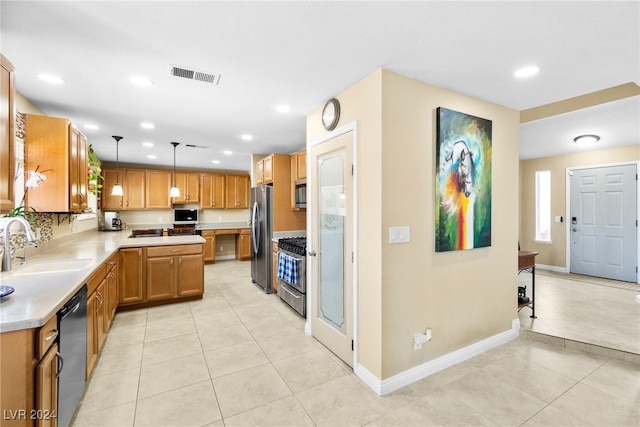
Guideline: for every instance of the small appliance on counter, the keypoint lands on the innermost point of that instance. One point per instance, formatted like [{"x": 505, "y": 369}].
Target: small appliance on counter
[{"x": 111, "y": 221}]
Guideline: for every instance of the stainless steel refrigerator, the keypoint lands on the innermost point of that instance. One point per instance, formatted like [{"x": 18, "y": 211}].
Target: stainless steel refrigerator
[{"x": 261, "y": 235}]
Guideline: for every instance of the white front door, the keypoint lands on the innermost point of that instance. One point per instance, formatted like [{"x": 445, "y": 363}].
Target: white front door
[
  {"x": 602, "y": 222},
  {"x": 331, "y": 245}
]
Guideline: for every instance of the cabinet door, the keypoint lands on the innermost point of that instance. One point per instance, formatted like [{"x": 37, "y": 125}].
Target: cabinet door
[
  {"x": 209, "y": 247},
  {"x": 212, "y": 191},
  {"x": 92, "y": 339},
  {"x": 301, "y": 161},
  {"x": 158, "y": 184},
  {"x": 161, "y": 275},
  {"x": 260, "y": 172},
  {"x": 190, "y": 275},
  {"x": 110, "y": 178},
  {"x": 181, "y": 183},
  {"x": 192, "y": 190},
  {"x": 112, "y": 283},
  {"x": 130, "y": 276},
  {"x": 78, "y": 193},
  {"x": 243, "y": 247},
  {"x": 237, "y": 192},
  {"x": 101, "y": 313},
  {"x": 47, "y": 388},
  {"x": 134, "y": 189},
  {"x": 274, "y": 271},
  {"x": 7, "y": 134},
  {"x": 268, "y": 169}
]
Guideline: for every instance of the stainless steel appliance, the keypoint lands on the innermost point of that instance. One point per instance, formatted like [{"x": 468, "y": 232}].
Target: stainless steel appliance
[
  {"x": 261, "y": 235},
  {"x": 111, "y": 221},
  {"x": 72, "y": 343},
  {"x": 185, "y": 216},
  {"x": 292, "y": 278},
  {"x": 300, "y": 189}
]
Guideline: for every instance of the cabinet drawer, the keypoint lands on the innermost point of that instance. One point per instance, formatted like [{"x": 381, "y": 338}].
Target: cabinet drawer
[
  {"x": 46, "y": 336},
  {"x": 208, "y": 233},
  {"x": 228, "y": 231},
  {"x": 175, "y": 250},
  {"x": 245, "y": 231}
]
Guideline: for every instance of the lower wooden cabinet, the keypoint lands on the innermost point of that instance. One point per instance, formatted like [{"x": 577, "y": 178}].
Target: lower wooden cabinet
[
  {"x": 243, "y": 245},
  {"x": 274, "y": 267},
  {"x": 130, "y": 276},
  {"x": 47, "y": 389},
  {"x": 209, "y": 245},
  {"x": 174, "y": 271}
]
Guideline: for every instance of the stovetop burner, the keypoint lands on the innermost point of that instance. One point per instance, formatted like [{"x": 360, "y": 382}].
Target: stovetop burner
[{"x": 297, "y": 245}]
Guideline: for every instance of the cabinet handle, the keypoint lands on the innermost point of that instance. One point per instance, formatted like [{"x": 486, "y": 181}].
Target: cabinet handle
[
  {"x": 171, "y": 261},
  {"x": 127, "y": 203},
  {"x": 180, "y": 260},
  {"x": 52, "y": 336},
  {"x": 176, "y": 250}
]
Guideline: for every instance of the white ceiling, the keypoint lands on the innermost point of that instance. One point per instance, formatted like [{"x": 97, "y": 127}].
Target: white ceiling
[{"x": 303, "y": 53}]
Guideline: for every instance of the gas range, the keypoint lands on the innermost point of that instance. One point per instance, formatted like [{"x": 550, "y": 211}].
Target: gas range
[{"x": 296, "y": 245}]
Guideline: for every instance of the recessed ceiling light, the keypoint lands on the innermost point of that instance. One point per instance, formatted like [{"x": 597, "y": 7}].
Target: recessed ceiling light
[
  {"x": 49, "y": 78},
  {"x": 147, "y": 144},
  {"x": 147, "y": 125},
  {"x": 90, "y": 126},
  {"x": 141, "y": 81},
  {"x": 227, "y": 152},
  {"x": 215, "y": 162},
  {"x": 283, "y": 108},
  {"x": 151, "y": 156},
  {"x": 527, "y": 71},
  {"x": 247, "y": 137}
]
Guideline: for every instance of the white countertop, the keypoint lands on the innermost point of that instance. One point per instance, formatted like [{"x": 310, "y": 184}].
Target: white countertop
[{"x": 39, "y": 295}]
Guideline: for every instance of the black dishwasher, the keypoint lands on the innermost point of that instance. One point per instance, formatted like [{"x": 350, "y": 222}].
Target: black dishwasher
[{"x": 72, "y": 343}]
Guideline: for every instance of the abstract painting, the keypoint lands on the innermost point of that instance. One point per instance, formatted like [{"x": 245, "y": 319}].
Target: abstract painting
[{"x": 463, "y": 181}]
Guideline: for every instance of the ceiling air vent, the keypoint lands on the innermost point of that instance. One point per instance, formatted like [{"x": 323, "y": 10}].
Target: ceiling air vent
[{"x": 191, "y": 74}]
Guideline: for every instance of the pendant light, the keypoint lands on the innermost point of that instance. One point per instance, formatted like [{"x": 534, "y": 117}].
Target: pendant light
[
  {"x": 117, "y": 188},
  {"x": 175, "y": 191}
]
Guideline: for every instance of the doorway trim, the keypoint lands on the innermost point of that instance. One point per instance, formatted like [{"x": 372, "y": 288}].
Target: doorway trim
[
  {"x": 348, "y": 127},
  {"x": 568, "y": 171}
]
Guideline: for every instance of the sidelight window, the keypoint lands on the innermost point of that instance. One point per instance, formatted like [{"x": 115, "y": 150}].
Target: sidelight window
[{"x": 543, "y": 206}]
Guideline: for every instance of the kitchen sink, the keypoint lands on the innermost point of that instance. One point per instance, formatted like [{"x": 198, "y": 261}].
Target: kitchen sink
[
  {"x": 151, "y": 232},
  {"x": 61, "y": 266}
]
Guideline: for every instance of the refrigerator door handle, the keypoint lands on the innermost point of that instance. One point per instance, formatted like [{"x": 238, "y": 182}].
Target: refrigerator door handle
[{"x": 255, "y": 228}]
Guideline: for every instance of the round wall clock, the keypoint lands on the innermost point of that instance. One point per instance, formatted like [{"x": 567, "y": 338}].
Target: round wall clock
[{"x": 331, "y": 114}]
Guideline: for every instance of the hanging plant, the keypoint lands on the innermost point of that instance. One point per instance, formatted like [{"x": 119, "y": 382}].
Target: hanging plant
[{"x": 94, "y": 172}]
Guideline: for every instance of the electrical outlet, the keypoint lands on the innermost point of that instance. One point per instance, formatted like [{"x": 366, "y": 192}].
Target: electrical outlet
[{"x": 221, "y": 248}]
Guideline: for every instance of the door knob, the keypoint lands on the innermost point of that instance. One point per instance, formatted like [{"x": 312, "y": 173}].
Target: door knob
[
  {"x": 312, "y": 253},
  {"x": 575, "y": 229}
]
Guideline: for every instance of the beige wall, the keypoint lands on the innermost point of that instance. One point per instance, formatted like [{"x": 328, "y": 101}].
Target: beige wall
[
  {"x": 465, "y": 296},
  {"x": 554, "y": 254}
]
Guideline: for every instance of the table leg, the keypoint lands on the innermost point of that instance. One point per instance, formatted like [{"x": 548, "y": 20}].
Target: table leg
[{"x": 533, "y": 292}]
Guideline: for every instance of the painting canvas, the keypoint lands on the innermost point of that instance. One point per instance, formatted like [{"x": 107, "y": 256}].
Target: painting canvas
[{"x": 463, "y": 181}]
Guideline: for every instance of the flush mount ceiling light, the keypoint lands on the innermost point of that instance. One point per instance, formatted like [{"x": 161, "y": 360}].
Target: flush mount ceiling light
[
  {"x": 147, "y": 125},
  {"x": 527, "y": 71},
  {"x": 586, "y": 141},
  {"x": 117, "y": 188},
  {"x": 141, "y": 81},
  {"x": 174, "y": 191},
  {"x": 49, "y": 78}
]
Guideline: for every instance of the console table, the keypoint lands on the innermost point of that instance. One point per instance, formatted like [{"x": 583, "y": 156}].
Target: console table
[{"x": 527, "y": 262}]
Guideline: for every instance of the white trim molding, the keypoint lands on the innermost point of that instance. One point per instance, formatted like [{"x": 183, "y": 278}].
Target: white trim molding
[
  {"x": 382, "y": 387},
  {"x": 555, "y": 268}
]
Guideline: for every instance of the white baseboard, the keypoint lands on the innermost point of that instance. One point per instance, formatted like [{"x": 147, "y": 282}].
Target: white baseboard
[
  {"x": 431, "y": 367},
  {"x": 552, "y": 268}
]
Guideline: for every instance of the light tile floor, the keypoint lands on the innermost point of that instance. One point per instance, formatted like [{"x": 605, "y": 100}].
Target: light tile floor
[{"x": 239, "y": 357}]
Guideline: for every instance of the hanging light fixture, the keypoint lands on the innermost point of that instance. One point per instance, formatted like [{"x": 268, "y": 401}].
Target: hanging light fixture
[
  {"x": 175, "y": 191},
  {"x": 117, "y": 188}
]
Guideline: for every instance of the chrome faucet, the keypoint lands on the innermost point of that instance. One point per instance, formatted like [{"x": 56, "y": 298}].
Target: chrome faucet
[{"x": 31, "y": 240}]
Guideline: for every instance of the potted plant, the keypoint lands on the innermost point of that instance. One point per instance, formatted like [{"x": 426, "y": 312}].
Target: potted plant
[{"x": 94, "y": 172}]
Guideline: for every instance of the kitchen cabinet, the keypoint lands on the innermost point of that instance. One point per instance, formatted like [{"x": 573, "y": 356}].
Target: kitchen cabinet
[
  {"x": 174, "y": 271},
  {"x": 157, "y": 188},
  {"x": 212, "y": 191},
  {"x": 47, "y": 389},
  {"x": 264, "y": 170},
  {"x": 7, "y": 134},
  {"x": 56, "y": 148},
  {"x": 209, "y": 245},
  {"x": 284, "y": 217},
  {"x": 133, "y": 186},
  {"x": 130, "y": 276},
  {"x": 274, "y": 267},
  {"x": 237, "y": 192},
  {"x": 243, "y": 245},
  {"x": 189, "y": 185},
  {"x": 298, "y": 172}
]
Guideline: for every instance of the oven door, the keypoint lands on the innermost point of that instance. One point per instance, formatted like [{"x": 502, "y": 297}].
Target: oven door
[{"x": 297, "y": 280}]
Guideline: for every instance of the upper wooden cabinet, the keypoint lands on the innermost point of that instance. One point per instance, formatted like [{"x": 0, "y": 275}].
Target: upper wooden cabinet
[
  {"x": 7, "y": 134},
  {"x": 189, "y": 185},
  {"x": 158, "y": 184},
  {"x": 212, "y": 191},
  {"x": 299, "y": 165},
  {"x": 133, "y": 183},
  {"x": 264, "y": 170},
  {"x": 56, "y": 148},
  {"x": 237, "y": 192}
]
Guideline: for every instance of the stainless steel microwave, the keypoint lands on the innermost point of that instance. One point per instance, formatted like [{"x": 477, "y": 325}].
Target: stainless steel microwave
[
  {"x": 301, "y": 193},
  {"x": 185, "y": 216}
]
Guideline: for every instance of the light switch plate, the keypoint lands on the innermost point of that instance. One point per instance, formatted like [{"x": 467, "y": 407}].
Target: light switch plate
[{"x": 399, "y": 234}]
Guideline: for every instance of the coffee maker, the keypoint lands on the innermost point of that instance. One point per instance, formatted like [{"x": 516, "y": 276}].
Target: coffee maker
[{"x": 111, "y": 221}]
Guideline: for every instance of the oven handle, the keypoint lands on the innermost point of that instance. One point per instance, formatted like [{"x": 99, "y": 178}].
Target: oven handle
[{"x": 289, "y": 292}]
